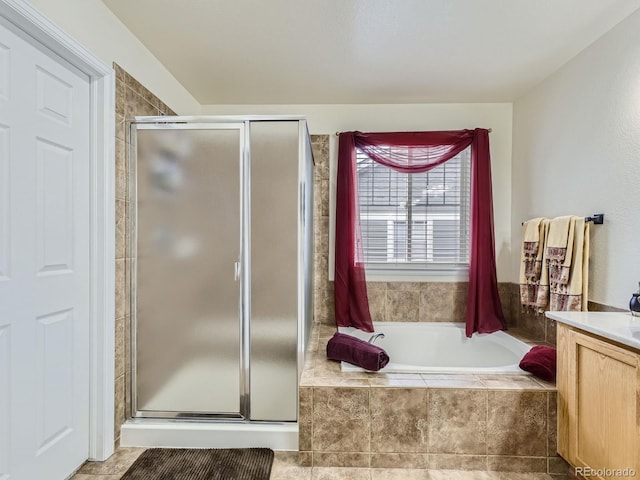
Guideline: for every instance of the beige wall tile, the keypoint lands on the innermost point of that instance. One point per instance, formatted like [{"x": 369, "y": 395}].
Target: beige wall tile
[
  {"x": 119, "y": 344},
  {"x": 534, "y": 325},
  {"x": 399, "y": 420},
  {"x": 120, "y": 97},
  {"x": 402, "y": 305},
  {"x": 436, "y": 302},
  {"x": 460, "y": 296},
  {"x": 120, "y": 307},
  {"x": 121, "y": 227},
  {"x": 120, "y": 127},
  {"x": 135, "y": 105},
  {"x": 305, "y": 418},
  {"x": 504, "y": 291},
  {"x": 119, "y": 406},
  {"x": 341, "y": 419},
  {"x": 377, "y": 293},
  {"x": 457, "y": 421},
  {"x": 600, "y": 307},
  {"x": 324, "y": 197},
  {"x": 550, "y": 331},
  {"x": 305, "y": 432},
  {"x": 121, "y": 170},
  {"x": 552, "y": 424},
  {"x": 405, "y": 286},
  {"x": 305, "y": 405},
  {"x": 517, "y": 423}
]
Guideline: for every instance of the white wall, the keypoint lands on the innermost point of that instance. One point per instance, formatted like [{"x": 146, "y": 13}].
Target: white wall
[
  {"x": 576, "y": 150},
  {"x": 98, "y": 29},
  {"x": 327, "y": 119}
]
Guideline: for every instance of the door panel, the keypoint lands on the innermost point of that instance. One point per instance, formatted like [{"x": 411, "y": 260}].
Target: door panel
[
  {"x": 44, "y": 262},
  {"x": 54, "y": 190},
  {"x": 5, "y": 195},
  {"x": 54, "y": 417},
  {"x": 188, "y": 231},
  {"x": 5, "y": 400},
  {"x": 274, "y": 270}
]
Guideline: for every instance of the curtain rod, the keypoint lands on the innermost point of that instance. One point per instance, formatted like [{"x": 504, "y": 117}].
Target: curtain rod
[
  {"x": 597, "y": 219},
  {"x": 488, "y": 129}
]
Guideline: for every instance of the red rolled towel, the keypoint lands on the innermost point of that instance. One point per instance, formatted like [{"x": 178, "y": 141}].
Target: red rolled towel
[
  {"x": 540, "y": 361},
  {"x": 346, "y": 348}
]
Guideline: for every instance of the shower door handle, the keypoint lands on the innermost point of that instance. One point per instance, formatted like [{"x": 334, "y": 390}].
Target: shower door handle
[{"x": 236, "y": 273}]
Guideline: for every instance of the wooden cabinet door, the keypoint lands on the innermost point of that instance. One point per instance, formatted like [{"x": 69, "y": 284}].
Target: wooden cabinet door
[{"x": 602, "y": 404}]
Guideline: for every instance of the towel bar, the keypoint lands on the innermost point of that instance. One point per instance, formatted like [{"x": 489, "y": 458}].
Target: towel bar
[{"x": 596, "y": 218}]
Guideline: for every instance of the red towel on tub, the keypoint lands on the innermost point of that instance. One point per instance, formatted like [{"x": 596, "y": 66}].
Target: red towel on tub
[
  {"x": 346, "y": 348},
  {"x": 540, "y": 361}
]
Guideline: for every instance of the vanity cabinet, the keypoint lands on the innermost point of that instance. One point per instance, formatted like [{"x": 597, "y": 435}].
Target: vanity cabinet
[{"x": 598, "y": 402}]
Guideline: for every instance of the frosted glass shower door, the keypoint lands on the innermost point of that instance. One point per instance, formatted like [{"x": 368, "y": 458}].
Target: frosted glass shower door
[
  {"x": 187, "y": 328},
  {"x": 274, "y": 269}
]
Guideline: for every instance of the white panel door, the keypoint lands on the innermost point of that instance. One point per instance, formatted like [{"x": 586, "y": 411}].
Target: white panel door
[{"x": 44, "y": 262}]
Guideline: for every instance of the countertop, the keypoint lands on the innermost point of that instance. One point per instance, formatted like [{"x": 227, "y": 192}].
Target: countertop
[{"x": 620, "y": 327}]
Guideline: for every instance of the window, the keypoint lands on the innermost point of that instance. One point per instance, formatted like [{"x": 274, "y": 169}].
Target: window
[{"x": 417, "y": 221}]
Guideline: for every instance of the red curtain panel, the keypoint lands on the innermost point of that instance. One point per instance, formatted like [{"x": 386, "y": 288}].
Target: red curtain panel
[{"x": 415, "y": 152}]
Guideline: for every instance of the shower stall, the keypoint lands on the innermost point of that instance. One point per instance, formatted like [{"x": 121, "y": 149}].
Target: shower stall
[{"x": 221, "y": 279}]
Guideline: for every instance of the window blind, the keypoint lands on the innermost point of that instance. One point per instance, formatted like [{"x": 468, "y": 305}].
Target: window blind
[{"x": 418, "y": 220}]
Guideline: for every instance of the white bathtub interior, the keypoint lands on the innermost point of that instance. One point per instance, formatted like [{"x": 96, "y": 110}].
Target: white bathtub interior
[{"x": 442, "y": 347}]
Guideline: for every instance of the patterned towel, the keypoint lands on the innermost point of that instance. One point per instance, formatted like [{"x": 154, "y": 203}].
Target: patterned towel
[
  {"x": 534, "y": 280},
  {"x": 566, "y": 255}
]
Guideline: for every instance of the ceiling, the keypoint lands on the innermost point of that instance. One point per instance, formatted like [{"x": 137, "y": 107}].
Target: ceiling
[{"x": 365, "y": 51}]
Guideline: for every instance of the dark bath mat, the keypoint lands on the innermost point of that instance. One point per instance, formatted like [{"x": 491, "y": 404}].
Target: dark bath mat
[{"x": 202, "y": 464}]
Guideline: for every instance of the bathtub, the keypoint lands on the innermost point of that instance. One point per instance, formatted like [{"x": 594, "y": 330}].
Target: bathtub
[{"x": 442, "y": 347}]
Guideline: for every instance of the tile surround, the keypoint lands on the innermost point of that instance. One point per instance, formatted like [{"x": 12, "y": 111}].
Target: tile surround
[
  {"x": 537, "y": 327},
  {"x": 434, "y": 422},
  {"x": 131, "y": 99}
]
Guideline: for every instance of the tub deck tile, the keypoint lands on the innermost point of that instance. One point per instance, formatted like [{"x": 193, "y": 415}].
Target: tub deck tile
[
  {"x": 453, "y": 381},
  {"x": 393, "y": 381},
  {"x": 511, "y": 382}
]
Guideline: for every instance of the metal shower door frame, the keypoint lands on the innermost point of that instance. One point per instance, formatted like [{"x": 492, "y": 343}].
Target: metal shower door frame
[
  {"x": 244, "y": 304},
  {"x": 304, "y": 255}
]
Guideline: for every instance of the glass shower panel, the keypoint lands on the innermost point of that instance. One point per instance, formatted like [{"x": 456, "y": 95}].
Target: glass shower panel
[
  {"x": 188, "y": 241},
  {"x": 274, "y": 269}
]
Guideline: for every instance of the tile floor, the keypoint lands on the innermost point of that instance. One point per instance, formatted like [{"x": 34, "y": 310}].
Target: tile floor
[{"x": 285, "y": 467}]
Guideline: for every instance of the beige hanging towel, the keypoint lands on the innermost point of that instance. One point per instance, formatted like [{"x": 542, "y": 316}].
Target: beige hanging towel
[
  {"x": 534, "y": 279},
  {"x": 566, "y": 256}
]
